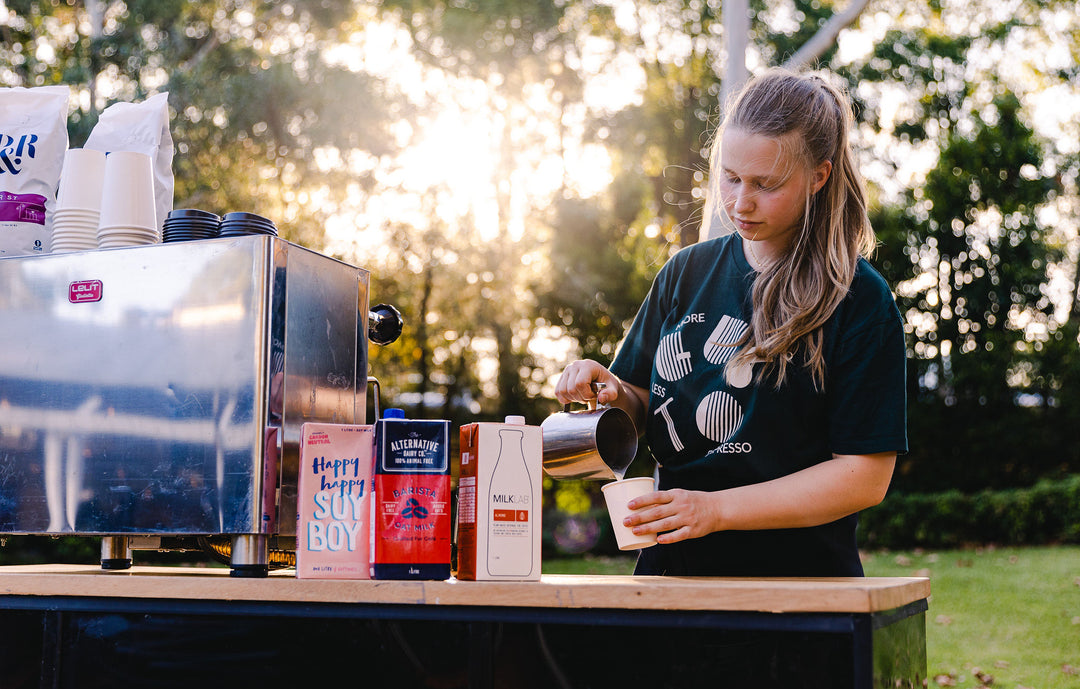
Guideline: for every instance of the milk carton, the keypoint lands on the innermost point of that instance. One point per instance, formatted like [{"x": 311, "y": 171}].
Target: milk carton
[
  {"x": 411, "y": 510},
  {"x": 499, "y": 499},
  {"x": 333, "y": 529}
]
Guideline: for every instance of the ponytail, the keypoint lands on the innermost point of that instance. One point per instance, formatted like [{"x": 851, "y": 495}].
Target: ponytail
[{"x": 796, "y": 294}]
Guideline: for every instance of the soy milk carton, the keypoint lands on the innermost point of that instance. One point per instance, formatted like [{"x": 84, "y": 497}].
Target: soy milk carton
[
  {"x": 333, "y": 530},
  {"x": 411, "y": 509},
  {"x": 499, "y": 500}
]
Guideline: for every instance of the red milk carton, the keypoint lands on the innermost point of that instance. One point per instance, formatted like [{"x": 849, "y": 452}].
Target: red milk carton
[
  {"x": 411, "y": 509},
  {"x": 499, "y": 494},
  {"x": 333, "y": 511}
]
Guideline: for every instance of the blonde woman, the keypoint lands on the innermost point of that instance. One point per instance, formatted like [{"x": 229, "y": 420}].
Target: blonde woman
[{"x": 766, "y": 367}]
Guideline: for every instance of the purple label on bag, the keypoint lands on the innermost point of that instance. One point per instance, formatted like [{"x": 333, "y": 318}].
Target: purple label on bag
[{"x": 28, "y": 208}]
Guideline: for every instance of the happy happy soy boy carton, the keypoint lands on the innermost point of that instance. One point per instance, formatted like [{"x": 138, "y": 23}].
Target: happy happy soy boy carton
[{"x": 333, "y": 514}]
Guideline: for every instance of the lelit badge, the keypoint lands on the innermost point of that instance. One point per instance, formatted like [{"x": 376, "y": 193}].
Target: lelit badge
[{"x": 84, "y": 290}]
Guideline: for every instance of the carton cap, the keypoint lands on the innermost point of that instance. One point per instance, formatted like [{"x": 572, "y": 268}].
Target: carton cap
[
  {"x": 393, "y": 413},
  {"x": 516, "y": 420}
]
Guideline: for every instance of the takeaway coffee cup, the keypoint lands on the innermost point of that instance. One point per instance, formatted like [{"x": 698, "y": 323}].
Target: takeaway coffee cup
[
  {"x": 127, "y": 193},
  {"x": 81, "y": 181},
  {"x": 617, "y": 494},
  {"x": 597, "y": 443}
]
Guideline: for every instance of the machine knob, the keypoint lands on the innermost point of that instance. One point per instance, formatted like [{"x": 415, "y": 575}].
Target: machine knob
[{"x": 384, "y": 324}]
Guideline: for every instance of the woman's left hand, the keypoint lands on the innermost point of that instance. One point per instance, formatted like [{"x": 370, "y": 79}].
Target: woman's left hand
[{"x": 674, "y": 515}]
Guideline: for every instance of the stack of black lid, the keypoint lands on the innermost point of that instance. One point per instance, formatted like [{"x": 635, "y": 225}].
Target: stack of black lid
[
  {"x": 186, "y": 224},
  {"x": 238, "y": 224}
]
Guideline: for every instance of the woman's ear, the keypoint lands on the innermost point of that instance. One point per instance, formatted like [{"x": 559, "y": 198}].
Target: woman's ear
[{"x": 820, "y": 176}]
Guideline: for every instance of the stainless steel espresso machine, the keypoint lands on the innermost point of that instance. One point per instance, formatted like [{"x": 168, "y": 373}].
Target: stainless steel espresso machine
[{"x": 153, "y": 396}]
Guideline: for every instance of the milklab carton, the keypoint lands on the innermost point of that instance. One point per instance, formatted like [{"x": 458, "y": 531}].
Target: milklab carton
[
  {"x": 333, "y": 512},
  {"x": 411, "y": 509},
  {"x": 499, "y": 500}
]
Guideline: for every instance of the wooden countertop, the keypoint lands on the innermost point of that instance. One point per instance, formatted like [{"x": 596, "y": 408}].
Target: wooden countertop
[{"x": 840, "y": 595}]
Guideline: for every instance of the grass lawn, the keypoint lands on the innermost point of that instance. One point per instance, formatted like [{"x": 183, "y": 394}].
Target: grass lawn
[
  {"x": 1005, "y": 618},
  {"x": 1010, "y": 616}
]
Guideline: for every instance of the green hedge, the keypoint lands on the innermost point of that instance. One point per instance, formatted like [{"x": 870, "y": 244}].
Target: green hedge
[{"x": 1048, "y": 512}]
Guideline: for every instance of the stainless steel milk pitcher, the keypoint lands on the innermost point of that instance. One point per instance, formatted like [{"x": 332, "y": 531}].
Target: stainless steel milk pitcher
[{"x": 595, "y": 443}]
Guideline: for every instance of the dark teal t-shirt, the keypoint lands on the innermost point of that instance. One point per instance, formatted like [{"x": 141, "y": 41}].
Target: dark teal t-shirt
[{"x": 710, "y": 431}]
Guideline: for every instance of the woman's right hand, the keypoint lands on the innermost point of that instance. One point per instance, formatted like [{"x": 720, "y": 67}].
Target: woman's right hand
[
  {"x": 576, "y": 384},
  {"x": 579, "y": 382}
]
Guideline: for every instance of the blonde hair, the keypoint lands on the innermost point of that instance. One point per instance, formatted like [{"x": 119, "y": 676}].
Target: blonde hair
[{"x": 796, "y": 294}]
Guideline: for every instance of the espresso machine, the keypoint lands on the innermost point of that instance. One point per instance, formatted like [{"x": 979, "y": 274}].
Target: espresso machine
[{"x": 153, "y": 396}]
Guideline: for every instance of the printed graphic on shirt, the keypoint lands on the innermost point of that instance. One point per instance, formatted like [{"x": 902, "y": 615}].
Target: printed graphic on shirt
[
  {"x": 739, "y": 376},
  {"x": 720, "y": 346},
  {"x": 718, "y": 416},
  {"x": 663, "y": 411},
  {"x": 672, "y": 361}
]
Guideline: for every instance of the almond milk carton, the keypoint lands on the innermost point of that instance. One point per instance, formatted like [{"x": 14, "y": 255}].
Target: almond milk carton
[
  {"x": 498, "y": 517},
  {"x": 333, "y": 511}
]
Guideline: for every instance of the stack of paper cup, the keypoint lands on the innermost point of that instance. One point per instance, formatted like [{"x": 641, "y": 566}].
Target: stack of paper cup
[
  {"x": 78, "y": 201},
  {"x": 128, "y": 212}
]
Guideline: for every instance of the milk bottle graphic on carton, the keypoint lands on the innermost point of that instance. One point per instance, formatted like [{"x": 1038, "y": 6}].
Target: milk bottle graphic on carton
[
  {"x": 499, "y": 501},
  {"x": 411, "y": 509},
  {"x": 333, "y": 507}
]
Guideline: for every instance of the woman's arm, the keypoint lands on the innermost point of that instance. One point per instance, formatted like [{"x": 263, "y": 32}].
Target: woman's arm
[{"x": 816, "y": 495}]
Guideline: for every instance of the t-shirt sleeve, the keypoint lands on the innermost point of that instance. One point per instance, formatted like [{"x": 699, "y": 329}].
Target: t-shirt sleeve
[
  {"x": 634, "y": 359},
  {"x": 867, "y": 392}
]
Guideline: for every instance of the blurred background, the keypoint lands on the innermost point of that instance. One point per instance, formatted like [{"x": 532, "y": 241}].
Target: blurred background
[{"x": 514, "y": 172}]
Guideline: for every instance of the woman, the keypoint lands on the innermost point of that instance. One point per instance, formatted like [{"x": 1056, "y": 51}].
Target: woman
[{"x": 766, "y": 367}]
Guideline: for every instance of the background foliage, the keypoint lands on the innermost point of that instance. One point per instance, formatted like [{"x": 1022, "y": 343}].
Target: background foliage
[{"x": 975, "y": 199}]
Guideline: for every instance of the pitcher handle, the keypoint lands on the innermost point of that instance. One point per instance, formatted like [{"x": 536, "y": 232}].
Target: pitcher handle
[{"x": 596, "y": 387}]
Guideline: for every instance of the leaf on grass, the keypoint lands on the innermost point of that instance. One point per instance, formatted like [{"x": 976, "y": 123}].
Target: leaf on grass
[
  {"x": 943, "y": 619},
  {"x": 1070, "y": 670},
  {"x": 985, "y": 678},
  {"x": 948, "y": 680},
  {"x": 1001, "y": 664}
]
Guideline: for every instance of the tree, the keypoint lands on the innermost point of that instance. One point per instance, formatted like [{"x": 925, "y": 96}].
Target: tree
[
  {"x": 515, "y": 50},
  {"x": 973, "y": 254},
  {"x": 255, "y": 101}
]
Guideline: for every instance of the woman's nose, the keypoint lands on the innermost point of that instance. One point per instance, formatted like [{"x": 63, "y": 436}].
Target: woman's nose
[{"x": 744, "y": 200}]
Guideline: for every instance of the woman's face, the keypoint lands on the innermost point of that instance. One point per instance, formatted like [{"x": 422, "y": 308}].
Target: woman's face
[{"x": 764, "y": 187}]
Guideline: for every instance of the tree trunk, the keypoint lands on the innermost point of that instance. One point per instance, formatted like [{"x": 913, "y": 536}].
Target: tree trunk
[
  {"x": 95, "y": 9},
  {"x": 423, "y": 366},
  {"x": 826, "y": 36},
  {"x": 736, "y": 35}
]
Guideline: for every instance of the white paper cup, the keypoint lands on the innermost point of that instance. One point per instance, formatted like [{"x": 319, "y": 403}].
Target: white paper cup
[
  {"x": 127, "y": 195},
  {"x": 617, "y": 494},
  {"x": 81, "y": 179}
]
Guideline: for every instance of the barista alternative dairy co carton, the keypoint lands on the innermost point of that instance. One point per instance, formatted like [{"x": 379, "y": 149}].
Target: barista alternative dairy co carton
[
  {"x": 498, "y": 517},
  {"x": 411, "y": 510},
  {"x": 333, "y": 538}
]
